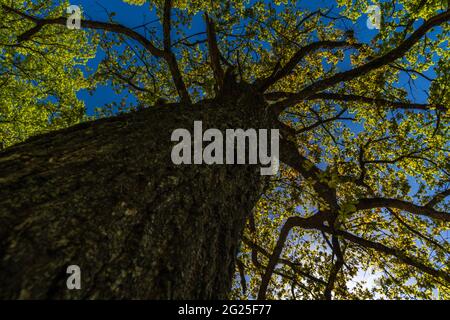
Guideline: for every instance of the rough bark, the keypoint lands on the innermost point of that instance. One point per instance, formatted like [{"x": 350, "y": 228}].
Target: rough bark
[{"x": 105, "y": 195}]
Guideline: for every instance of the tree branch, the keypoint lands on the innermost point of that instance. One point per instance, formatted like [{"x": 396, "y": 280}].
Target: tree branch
[
  {"x": 336, "y": 267},
  {"x": 438, "y": 198},
  {"x": 290, "y": 155},
  {"x": 414, "y": 231},
  {"x": 241, "y": 269},
  {"x": 170, "y": 56},
  {"x": 256, "y": 248},
  {"x": 359, "y": 71},
  {"x": 306, "y": 223},
  {"x": 88, "y": 24},
  {"x": 377, "y": 101},
  {"x": 371, "y": 203},
  {"x": 264, "y": 84},
  {"x": 214, "y": 53},
  {"x": 167, "y": 25},
  {"x": 390, "y": 251},
  {"x": 166, "y": 54},
  {"x": 258, "y": 265},
  {"x": 323, "y": 121}
]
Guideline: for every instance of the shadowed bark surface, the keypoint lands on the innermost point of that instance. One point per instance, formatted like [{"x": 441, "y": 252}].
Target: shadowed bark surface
[{"x": 105, "y": 196}]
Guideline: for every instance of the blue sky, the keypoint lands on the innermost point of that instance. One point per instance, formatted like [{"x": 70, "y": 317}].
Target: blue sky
[{"x": 133, "y": 16}]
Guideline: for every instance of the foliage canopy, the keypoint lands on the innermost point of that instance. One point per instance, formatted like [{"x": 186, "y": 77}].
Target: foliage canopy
[{"x": 372, "y": 164}]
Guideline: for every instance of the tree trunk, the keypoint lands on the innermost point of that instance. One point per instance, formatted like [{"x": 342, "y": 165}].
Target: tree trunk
[{"x": 106, "y": 196}]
